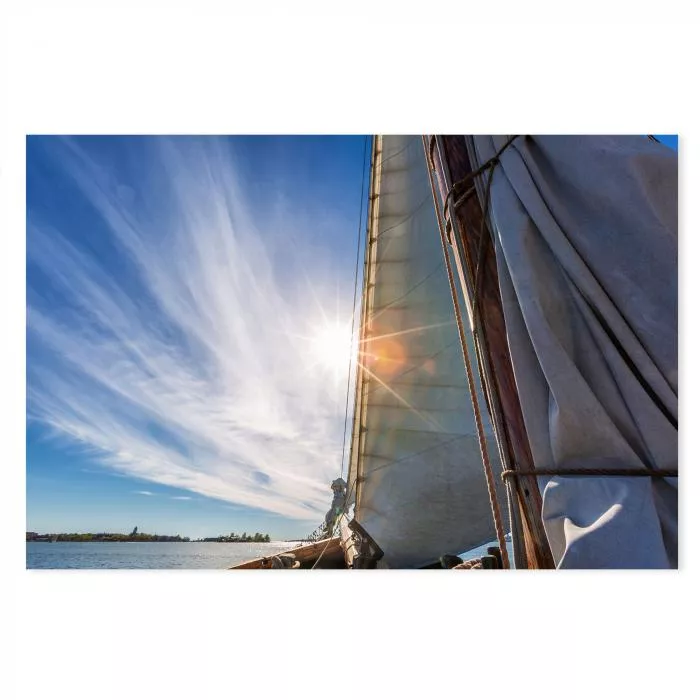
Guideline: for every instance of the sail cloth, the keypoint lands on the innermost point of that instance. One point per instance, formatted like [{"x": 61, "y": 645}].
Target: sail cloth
[
  {"x": 586, "y": 241},
  {"x": 422, "y": 491}
]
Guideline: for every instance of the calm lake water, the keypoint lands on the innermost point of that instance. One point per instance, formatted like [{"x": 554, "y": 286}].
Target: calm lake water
[
  {"x": 146, "y": 555},
  {"x": 158, "y": 555}
]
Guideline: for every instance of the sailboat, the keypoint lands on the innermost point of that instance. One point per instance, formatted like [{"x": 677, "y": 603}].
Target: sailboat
[{"x": 517, "y": 362}]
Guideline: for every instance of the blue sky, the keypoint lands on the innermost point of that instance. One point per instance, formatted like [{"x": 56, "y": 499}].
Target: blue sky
[
  {"x": 668, "y": 140},
  {"x": 189, "y": 302}
]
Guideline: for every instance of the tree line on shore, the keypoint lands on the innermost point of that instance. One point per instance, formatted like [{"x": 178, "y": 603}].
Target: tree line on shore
[
  {"x": 233, "y": 537},
  {"x": 103, "y": 537},
  {"x": 139, "y": 537}
]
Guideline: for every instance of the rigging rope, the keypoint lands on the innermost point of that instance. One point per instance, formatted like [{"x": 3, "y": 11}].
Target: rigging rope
[
  {"x": 479, "y": 342},
  {"x": 490, "y": 481},
  {"x": 322, "y": 529},
  {"x": 472, "y": 386},
  {"x": 354, "y": 304},
  {"x": 592, "y": 471}
]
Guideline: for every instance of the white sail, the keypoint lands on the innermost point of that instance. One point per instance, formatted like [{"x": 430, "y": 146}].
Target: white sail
[
  {"x": 587, "y": 246},
  {"x": 420, "y": 489}
]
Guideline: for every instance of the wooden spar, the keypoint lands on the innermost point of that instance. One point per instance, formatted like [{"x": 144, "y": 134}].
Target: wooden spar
[
  {"x": 450, "y": 160},
  {"x": 306, "y": 555}
]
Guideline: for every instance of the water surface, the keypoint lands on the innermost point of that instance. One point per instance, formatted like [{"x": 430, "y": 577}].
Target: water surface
[
  {"x": 161, "y": 555},
  {"x": 146, "y": 555}
]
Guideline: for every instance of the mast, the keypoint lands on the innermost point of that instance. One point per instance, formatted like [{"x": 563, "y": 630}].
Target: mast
[
  {"x": 449, "y": 158},
  {"x": 361, "y": 379},
  {"x": 416, "y": 467}
]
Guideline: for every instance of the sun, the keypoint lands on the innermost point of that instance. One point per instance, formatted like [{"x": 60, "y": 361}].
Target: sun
[{"x": 331, "y": 347}]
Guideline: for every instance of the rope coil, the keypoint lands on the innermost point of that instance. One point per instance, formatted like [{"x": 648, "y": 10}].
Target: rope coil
[{"x": 469, "y": 564}]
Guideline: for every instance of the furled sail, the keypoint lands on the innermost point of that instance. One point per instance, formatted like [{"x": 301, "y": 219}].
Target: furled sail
[
  {"x": 587, "y": 247},
  {"x": 415, "y": 468}
]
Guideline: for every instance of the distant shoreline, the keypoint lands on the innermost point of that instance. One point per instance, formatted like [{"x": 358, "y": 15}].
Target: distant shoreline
[
  {"x": 233, "y": 538},
  {"x": 59, "y": 539},
  {"x": 181, "y": 541}
]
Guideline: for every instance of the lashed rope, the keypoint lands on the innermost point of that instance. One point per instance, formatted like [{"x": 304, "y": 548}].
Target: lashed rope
[{"x": 470, "y": 177}]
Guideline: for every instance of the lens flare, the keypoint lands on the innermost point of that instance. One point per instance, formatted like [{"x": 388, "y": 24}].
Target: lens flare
[{"x": 331, "y": 347}]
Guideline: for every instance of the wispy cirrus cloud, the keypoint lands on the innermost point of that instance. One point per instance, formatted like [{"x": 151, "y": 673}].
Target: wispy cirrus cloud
[
  {"x": 173, "y": 338},
  {"x": 144, "y": 493},
  {"x": 181, "y": 498}
]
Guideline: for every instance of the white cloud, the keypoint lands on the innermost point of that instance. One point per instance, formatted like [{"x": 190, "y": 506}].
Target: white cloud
[
  {"x": 181, "y": 498},
  {"x": 180, "y": 353},
  {"x": 144, "y": 493}
]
